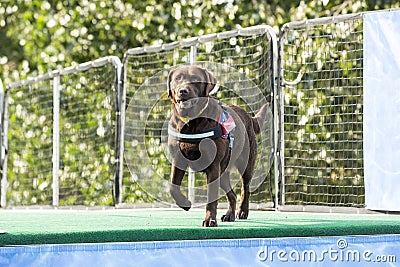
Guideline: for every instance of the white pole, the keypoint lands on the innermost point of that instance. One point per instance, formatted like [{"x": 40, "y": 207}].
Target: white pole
[
  {"x": 191, "y": 173},
  {"x": 3, "y": 197},
  {"x": 56, "y": 138},
  {"x": 122, "y": 106}
]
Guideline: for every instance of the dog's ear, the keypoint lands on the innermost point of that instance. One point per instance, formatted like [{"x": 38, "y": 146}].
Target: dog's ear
[
  {"x": 211, "y": 82},
  {"x": 169, "y": 83}
]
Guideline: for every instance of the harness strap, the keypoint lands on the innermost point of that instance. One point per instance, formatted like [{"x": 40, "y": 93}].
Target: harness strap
[
  {"x": 212, "y": 133},
  {"x": 225, "y": 129}
]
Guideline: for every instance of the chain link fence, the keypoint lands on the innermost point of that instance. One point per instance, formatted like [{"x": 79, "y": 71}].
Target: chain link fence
[
  {"x": 243, "y": 63},
  {"x": 60, "y": 137},
  {"x": 322, "y": 112}
]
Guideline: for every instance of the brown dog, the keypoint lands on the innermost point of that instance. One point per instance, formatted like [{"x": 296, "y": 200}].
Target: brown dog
[{"x": 199, "y": 139}]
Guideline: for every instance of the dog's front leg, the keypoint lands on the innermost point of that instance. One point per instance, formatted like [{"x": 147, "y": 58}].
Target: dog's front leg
[
  {"x": 181, "y": 200},
  {"x": 213, "y": 183}
]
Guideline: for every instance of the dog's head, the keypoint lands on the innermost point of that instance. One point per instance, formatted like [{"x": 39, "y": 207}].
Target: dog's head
[{"x": 187, "y": 84}]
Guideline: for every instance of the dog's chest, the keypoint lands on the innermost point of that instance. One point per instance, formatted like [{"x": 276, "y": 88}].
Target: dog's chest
[{"x": 190, "y": 151}]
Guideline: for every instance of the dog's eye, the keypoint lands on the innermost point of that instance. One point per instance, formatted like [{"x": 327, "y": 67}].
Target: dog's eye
[
  {"x": 196, "y": 79},
  {"x": 178, "y": 78}
]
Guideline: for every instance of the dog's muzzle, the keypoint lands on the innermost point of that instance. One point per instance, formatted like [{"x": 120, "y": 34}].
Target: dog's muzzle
[{"x": 187, "y": 104}]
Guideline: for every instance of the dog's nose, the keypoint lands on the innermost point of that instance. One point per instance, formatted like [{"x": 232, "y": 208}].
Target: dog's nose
[{"x": 183, "y": 91}]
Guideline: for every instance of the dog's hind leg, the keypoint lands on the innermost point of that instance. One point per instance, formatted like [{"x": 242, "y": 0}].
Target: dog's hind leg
[
  {"x": 231, "y": 197},
  {"x": 175, "y": 188}
]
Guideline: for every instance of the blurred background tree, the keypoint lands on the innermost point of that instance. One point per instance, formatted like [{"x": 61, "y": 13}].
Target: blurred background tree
[{"x": 37, "y": 36}]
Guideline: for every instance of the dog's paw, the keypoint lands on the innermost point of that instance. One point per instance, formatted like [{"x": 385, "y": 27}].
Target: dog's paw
[
  {"x": 210, "y": 222},
  {"x": 242, "y": 214},
  {"x": 228, "y": 217},
  {"x": 185, "y": 205}
]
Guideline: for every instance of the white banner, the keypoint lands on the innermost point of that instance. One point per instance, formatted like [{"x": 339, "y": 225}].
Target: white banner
[{"x": 382, "y": 110}]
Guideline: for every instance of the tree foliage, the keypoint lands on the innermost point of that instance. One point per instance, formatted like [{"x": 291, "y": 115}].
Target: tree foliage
[{"x": 37, "y": 36}]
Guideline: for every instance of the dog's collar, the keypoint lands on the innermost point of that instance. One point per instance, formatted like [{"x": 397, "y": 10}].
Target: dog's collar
[{"x": 187, "y": 119}]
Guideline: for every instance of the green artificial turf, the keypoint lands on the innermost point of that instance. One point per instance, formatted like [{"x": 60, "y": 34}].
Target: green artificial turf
[{"x": 27, "y": 227}]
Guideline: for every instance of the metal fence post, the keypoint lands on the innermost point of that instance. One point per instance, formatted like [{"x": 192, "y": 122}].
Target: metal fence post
[
  {"x": 4, "y": 181},
  {"x": 191, "y": 173},
  {"x": 121, "y": 95},
  {"x": 275, "y": 104},
  {"x": 56, "y": 138},
  {"x": 2, "y": 153}
]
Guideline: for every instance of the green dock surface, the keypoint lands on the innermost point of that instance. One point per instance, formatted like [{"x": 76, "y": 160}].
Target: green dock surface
[{"x": 51, "y": 226}]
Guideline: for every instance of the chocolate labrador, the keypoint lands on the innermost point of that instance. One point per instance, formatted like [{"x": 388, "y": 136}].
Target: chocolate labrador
[{"x": 210, "y": 137}]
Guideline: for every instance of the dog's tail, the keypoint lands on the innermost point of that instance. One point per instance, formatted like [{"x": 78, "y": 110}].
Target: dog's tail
[{"x": 259, "y": 119}]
